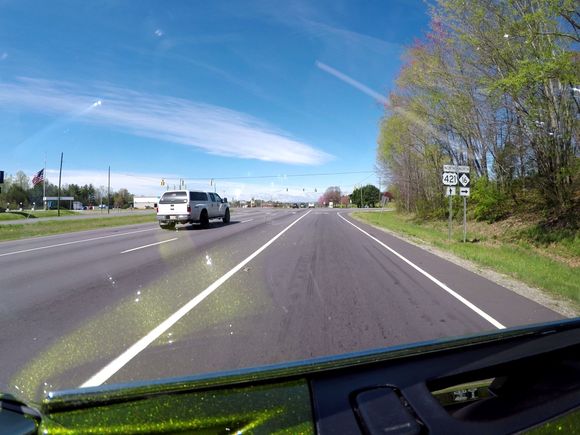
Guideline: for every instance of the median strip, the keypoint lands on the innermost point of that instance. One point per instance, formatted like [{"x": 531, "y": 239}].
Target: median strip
[
  {"x": 150, "y": 244},
  {"x": 118, "y": 363}
]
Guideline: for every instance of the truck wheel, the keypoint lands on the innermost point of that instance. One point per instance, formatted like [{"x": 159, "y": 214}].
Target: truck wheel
[
  {"x": 204, "y": 219},
  {"x": 226, "y": 217}
]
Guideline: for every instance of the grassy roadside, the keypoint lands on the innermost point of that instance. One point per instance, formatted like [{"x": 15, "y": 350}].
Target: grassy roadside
[
  {"x": 552, "y": 268},
  {"x": 28, "y": 214},
  {"x": 46, "y": 228}
]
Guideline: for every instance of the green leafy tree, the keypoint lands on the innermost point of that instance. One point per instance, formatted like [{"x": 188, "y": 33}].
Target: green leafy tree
[
  {"x": 15, "y": 196},
  {"x": 122, "y": 198},
  {"x": 365, "y": 195},
  {"x": 491, "y": 86}
]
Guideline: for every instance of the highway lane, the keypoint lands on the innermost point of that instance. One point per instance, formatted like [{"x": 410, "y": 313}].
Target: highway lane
[
  {"x": 69, "y": 298},
  {"x": 325, "y": 288},
  {"x": 322, "y": 287}
]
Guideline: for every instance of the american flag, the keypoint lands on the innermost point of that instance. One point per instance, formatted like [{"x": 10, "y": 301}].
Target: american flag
[{"x": 38, "y": 178}]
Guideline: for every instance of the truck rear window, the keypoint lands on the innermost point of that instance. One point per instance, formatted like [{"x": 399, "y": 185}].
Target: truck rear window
[{"x": 173, "y": 198}]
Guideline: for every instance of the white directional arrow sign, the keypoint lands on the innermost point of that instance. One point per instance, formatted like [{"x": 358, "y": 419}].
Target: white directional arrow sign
[
  {"x": 450, "y": 191},
  {"x": 464, "y": 191}
]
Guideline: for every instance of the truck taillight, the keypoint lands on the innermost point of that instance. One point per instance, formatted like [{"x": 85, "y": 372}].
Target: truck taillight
[{"x": 189, "y": 208}]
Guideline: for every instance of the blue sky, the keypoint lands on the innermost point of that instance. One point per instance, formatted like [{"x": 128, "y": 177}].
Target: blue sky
[{"x": 200, "y": 90}]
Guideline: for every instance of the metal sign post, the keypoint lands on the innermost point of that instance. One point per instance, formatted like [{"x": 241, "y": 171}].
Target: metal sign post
[
  {"x": 450, "y": 214},
  {"x": 450, "y": 181},
  {"x": 464, "y": 191}
]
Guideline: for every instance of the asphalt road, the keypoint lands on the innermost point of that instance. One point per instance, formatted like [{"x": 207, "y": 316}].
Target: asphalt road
[{"x": 138, "y": 302}]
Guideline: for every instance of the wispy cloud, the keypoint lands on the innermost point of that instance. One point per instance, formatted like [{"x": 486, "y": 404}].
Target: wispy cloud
[
  {"x": 354, "y": 39},
  {"x": 309, "y": 18},
  {"x": 380, "y": 98},
  {"x": 354, "y": 83},
  {"x": 213, "y": 129}
]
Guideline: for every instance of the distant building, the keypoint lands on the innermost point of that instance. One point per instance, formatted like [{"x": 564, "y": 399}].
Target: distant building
[{"x": 145, "y": 201}]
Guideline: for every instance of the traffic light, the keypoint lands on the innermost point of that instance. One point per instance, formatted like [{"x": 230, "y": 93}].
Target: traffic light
[{"x": 162, "y": 182}]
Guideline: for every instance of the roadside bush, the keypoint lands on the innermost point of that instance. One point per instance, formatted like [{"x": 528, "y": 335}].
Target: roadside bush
[{"x": 490, "y": 204}]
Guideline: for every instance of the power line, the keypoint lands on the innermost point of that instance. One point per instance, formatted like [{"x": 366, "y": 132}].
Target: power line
[{"x": 249, "y": 177}]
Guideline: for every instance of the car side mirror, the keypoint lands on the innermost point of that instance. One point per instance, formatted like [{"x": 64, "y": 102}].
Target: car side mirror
[{"x": 224, "y": 200}]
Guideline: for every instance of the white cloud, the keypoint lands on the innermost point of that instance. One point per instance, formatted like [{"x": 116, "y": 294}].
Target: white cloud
[
  {"x": 150, "y": 185},
  {"x": 213, "y": 129}
]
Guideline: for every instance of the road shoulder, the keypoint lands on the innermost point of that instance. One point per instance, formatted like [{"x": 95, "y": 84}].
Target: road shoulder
[{"x": 559, "y": 305}]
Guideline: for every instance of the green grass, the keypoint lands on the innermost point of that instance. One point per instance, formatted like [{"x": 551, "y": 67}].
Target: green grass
[
  {"x": 27, "y": 214},
  {"x": 517, "y": 259},
  {"x": 52, "y": 213},
  {"x": 46, "y": 228},
  {"x": 10, "y": 216}
]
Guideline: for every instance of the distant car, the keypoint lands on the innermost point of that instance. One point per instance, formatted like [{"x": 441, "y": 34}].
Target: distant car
[
  {"x": 184, "y": 206},
  {"x": 310, "y": 205},
  {"x": 295, "y": 205}
]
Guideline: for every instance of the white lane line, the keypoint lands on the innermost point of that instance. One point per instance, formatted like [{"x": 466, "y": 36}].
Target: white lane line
[
  {"x": 453, "y": 293},
  {"x": 150, "y": 244},
  {"x": 118, "y": 363},
  {"x": 247, "y": 220},
  {"x": 75, "y": 242}
]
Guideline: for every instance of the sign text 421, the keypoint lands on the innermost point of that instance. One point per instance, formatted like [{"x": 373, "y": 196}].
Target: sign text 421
[{"x": 450, "y": 178}]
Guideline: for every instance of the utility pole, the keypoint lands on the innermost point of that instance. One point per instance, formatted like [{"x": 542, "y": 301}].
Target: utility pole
[
  {"x": 44, "y": 184},
  {"x": 109, "y": 191},
  {"x": 59, "y": 178}
]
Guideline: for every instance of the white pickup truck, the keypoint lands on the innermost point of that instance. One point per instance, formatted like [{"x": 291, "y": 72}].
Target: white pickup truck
[{"x": 188, "y": 206}]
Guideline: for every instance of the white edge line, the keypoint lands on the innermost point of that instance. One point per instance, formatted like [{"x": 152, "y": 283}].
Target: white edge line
[
  {"x": 118, "y": 363},
  {"x": 247, "y": 220},
  {"x": 150, "y": 244},
  {"x": 453, "y": 293},
  {"x": 76, "y": 241}
]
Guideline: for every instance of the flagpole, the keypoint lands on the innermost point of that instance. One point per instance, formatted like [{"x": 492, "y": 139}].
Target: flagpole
[
  {"x": 44, "y": 184},
  {"x": 59, "y": 177},
  {"x": 109, "y": 191}
]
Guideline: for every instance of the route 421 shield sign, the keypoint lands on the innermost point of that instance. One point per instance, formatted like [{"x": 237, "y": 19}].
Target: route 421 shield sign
[{"x": 450, "y": 178}]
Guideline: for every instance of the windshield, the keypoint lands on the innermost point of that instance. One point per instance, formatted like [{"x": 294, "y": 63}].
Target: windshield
[
  {"x": 173, "y": 198},
  {"x": 393, "y": 172}
]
